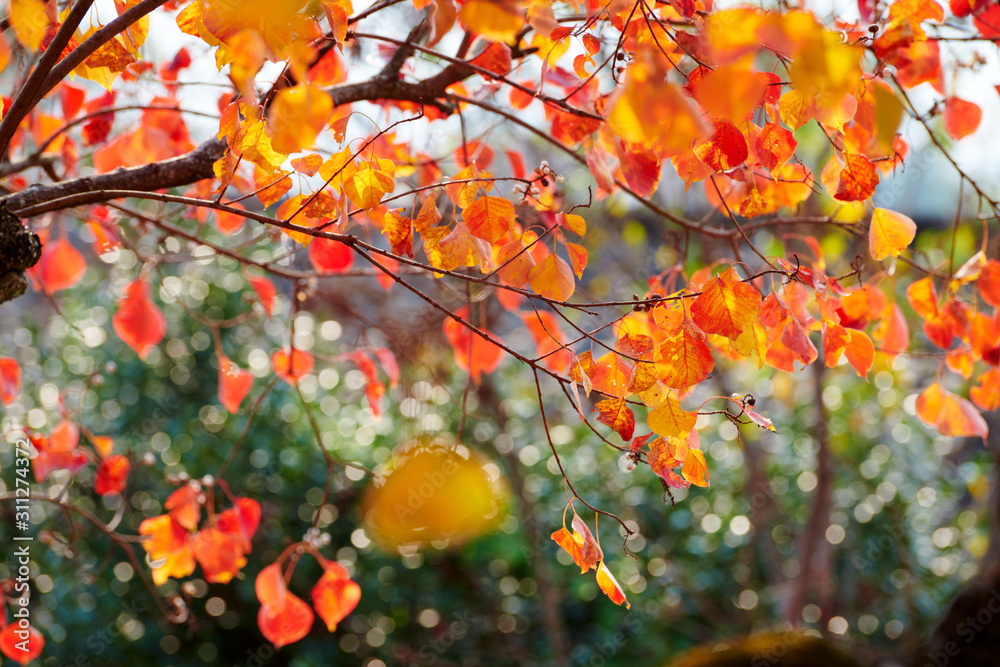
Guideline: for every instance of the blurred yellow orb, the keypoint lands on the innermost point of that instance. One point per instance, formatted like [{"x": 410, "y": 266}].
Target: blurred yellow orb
[{"x": 432, "y": 493}]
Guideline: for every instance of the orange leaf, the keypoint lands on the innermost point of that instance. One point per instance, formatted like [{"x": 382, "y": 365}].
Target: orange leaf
[
  {"x": 10, "y": 380},
  {"x": 234, "y": 384},
  {"x": 473, "y": 353},
  {"x": 111, "y": 475},
  {"x": 614, "y": 412},
  {"x": 370, "y": 183},
  {"x": 19, "y": 648},
  {"x": 335, "y": 595},
  {"x": 285, "y": 624},
  {"x": 496, "y": 58},
  {"x": 695, "y": 470},
  {"x": 774, "y": 146},
  {"x": 138, "y": 322},
  {"x": 989, "y": 283},
  {"x": 952, "y": 415},
  {"x": 552, "y": 278},
  {"x": 398, "y": 231},
  {"x": 889, "y": 234},
  {"x": 684, "y": 359},
  {"x": 220, "y": 555},
  {"x": 549, "y": 339},
  {"x": 240, "y": 521},
  {"x": 60, "y": 266},
  {"x": 580, "y": 545},
  {"x": 923, "y": 297},
  {"x": 860, "y": 352},
  {"x": 609, "y": 585},
  {"x": 961, "y": 118},
  {"x": 857, "y": 180},
  {"x": 229, "y": 223},
  {"x": 490, "y": 218},
  {"x": 987, "y": 393},
  {"x": 726, "y": 305},
  {"x": 168, "y": 547},
  {"x": 297, "y": 116},
  {"x": 578, "y": 258},
  {"x": 291, "y": 365}
]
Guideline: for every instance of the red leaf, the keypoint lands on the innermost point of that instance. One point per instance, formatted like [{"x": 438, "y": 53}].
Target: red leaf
[
  {"x": 284, "y": 618},
  {"x": 184, "y": 507},
  {"x": 329, "y": 256},
  {"x": 138, "y": 322},
  {"x": 61, "y": 266},
  {"x": 725, "y": 149},
  {"x": 989, "y": 283},
  {"x": 234, "y": 384},
  {"x": 774, "y": 145},
  {"x": 241, "y": 520},
  {"x": 12, "y": 641},
  {"x": 220, "y": 554},
  {"x": 10, "y": 380},
  {"x": 961, "y": 117},
  {"x": 335, "y": 595},
  {"x": 473, "y": 353},
  {"x": 291, "y": 365},
  {"x": 265, "y": 292},
  {"x": 857, "y": 179},
  {"x": 111, "y": 475}
]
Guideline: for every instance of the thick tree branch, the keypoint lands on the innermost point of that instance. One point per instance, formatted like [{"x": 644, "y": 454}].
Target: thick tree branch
[{"x": 175, "y": 172}]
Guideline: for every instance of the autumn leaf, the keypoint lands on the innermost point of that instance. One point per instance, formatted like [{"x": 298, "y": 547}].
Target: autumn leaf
[
  {"x": 473, "y": 353},
  {"x": 495, "y": 20},
  {"x": 725, "y": 149},
  {"x": 961, "y": 117},
  {"x": 726, "y": 305},
  {"x": 774, "y": 146},
  {"x": 489, "y": 218},
  {"x": 857, "y": 179},
  {"x": 580, "y": 544},
  {"x": 10, "y": 380},
  {"x": 220, "y": 554},
  {"x": 951, "y": 415},
  {"x": 298, "y": 114},
  {"x": 291, "y": 364},
  {"x": 609, "y": 586},
  {"x": 60, "y": 267},
  {"x": 111, "y": 475},
  {"x": 234, "y": 384},
  {"x": 614, "y": 412},
  {"x": 684, "y": 360},
  {"x": 284, "y": 618},
  {"x": 138, "y": 322},
  {"x": 552, "y": 278},
  {"x": 669, "y": 419},
  {"x": 989, "y": 283},
  {"x": 265, "y": 292},
  {"x": 370, "y": 183},
  {"x": 168, "y": 546},
  {"x": 695, "y": 470},
  {"x": 889, "y": 234},
  {"x": 335, "y": 595},
  {"x": 29, "y": 20},
  {"x": 330, "y": 257},
  {"x": 16, "y": 646}
]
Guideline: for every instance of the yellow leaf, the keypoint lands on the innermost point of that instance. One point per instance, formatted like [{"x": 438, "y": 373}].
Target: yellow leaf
[
  {"x": 256, "y": 146},
  {"x": 29, "y": 20},
  {"x": 297, "y": 116},
  {"x": 495, "y": 20},
  {"x": 670, "y": 420},
  {"x": 105, "y": 64},
  {"x": 890, "y": 233},
  {"x": 372, "y": 181}
]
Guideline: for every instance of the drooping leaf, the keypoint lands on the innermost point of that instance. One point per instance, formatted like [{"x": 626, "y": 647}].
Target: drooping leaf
[
  {"x": 335, "y": 595},
  {"x": 552, "y": 278},
  {"x": 490, "y": 218},
  {"x": 695, "y": 470},
  {"x": 111, "y": 475},
  {"x": 298, "y": 114},
  {"x": 473, "y": 353},
  {"x": 291, "y": 364},
  {"x": 234, "y": 384},
  {"x": 858, "y": 179},
  {"x": 961, "y": 117},
  {"x": 609, "y": 586},
  {"x": 15, "y": 646},
  {"x": 138, "y": 322},
  {"x": 726, "y": 305},
  {"x": 614, "y": 412},
  {"x": 10, "y": 380},
  {"x": 265, "y": 292},
  {"x": 60, "y": 267},
  {"x": 669, "y": 419},
  {"x": 168, "y": 546},
  {"x": 890, "y": 234}
]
